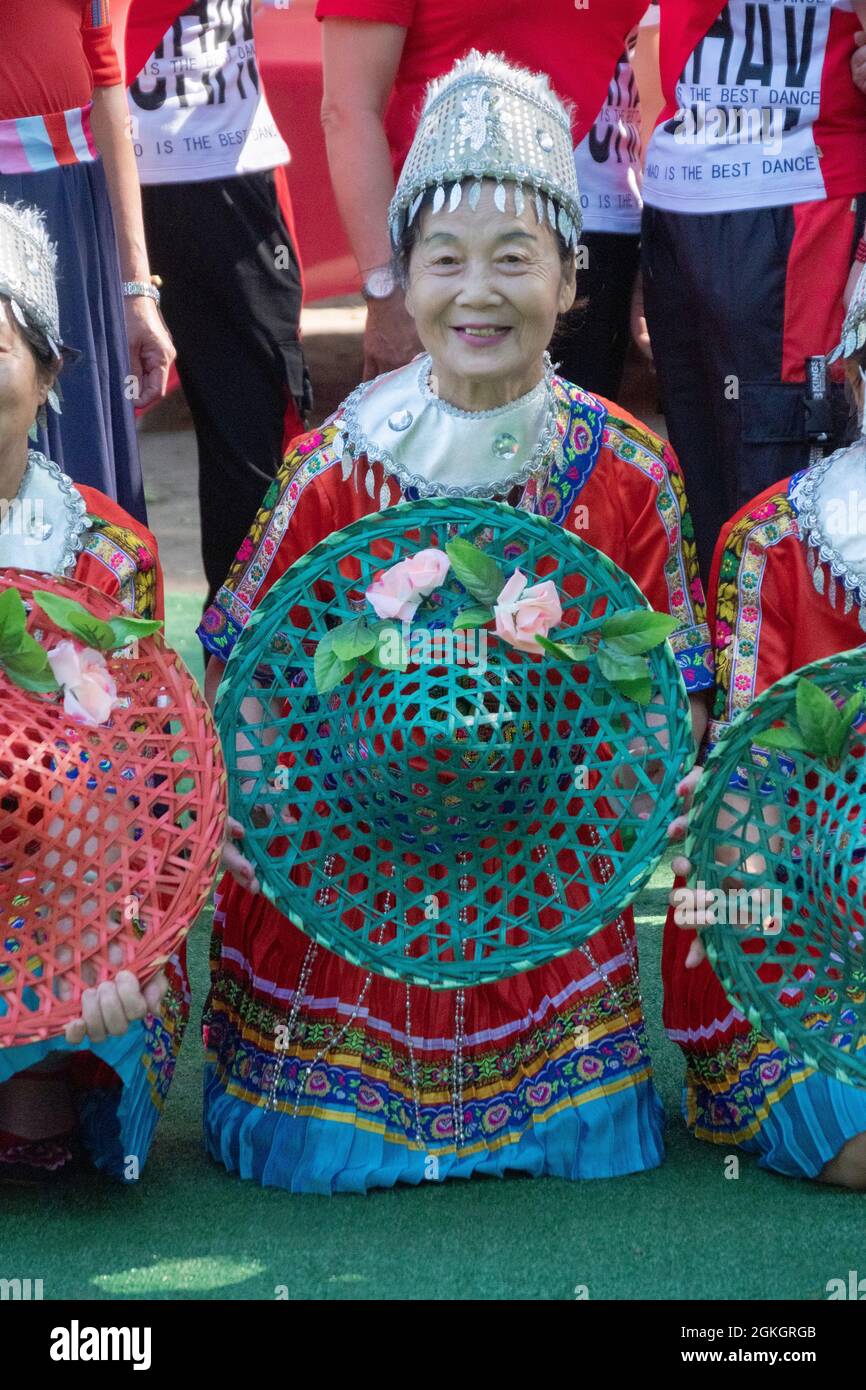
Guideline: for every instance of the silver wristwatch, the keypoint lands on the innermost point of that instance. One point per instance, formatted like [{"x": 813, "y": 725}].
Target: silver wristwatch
[
  {"x": 380, "y": 283},
  {"x": 130, "y": 289}
]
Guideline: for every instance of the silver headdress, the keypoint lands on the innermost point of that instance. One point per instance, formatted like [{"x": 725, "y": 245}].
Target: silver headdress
[
  {"x": 487, "y": 119},
  {"x": 854, "y": 324},
  {"x": 28, "y": 269},
  {"x": 830, "y": 496}
]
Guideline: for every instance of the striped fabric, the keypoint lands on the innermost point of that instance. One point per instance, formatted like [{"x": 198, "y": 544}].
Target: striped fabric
[
  {"x": 96, "y": 14},
  {"x": 32, "y": 144}
]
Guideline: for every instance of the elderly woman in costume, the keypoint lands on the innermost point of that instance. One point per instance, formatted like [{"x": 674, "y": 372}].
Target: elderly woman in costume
[
  {"x": 787, "y": 587},
  {"x": 103, "y": 1083},
  {"x": 485, "y": 222}
]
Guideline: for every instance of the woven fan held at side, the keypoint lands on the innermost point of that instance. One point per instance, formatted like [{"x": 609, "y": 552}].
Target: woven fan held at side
[
  {"x": 111, "y": 831},
  {"x": 778, "y": 835},
  {"x": 420, "y": 794}
]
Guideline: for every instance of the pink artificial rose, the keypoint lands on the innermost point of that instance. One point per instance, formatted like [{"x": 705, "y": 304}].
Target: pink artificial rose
[
  {"x": 398, "y": 591},
  {"x": 89, "y": 691},
  {"x": 523, "y": 613}
]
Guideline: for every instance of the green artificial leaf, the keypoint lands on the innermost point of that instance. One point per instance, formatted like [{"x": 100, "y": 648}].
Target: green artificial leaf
[
  {"x": 13, "y": 620},
  {"x": 847, "y": 716},
  {"x": 73, "y": 617},
  {"x": 124, "y": 630},
  {"x": 328, "y": 668},
  {"x": 472, "y": 617},
  {"x": 639, "y": 690},
  {"x": 818, "y": 718},
  {"x": 784, "y": 738},
  {"x": 352, "y": 639},
  {"x": 477, "y": 572},
  {"x": 565, "y": 651},
  {"x": 637, "y": 630},
  {"x": 619, "y": 666},
  {"x": 29, "y": 667}
]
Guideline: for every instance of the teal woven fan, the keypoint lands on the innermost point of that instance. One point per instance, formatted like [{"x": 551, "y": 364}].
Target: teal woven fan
[
  {"x": 426, "y": 799},
  {"x": 778, "y": 834}
]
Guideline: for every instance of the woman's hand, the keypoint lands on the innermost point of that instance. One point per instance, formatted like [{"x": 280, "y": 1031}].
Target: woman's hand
[
  {"x": 151, "y": 351},
  {"x": 108, "y": 1009},
  {"x": 390, "y": 338},
  {"x": 240, "y": 868},
  {"x": 639, "y": 330},
  {"x": 689, "y": 904}
]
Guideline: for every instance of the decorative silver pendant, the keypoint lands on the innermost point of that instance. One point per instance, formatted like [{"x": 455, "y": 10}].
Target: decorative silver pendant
[
  {"x": 499, "y": 197},
  {"x": 539, "y": 208},
  {"x": 565, "y": 226},
  {"x": 505, "y": 446},
  {"x": 551, "y": 213},
  {"x": 415, "y": 206},
  {"x": 370, "y": 482},
  {"x": 831, "y": 591},
  {"x": 384, "y": 496},
  {"x": 456, "y": 195},
  {"x": 400, "y": 421},
  {"x": 346, "y": 465},
  {"x": 861, "y": 614},
  {"x": 474, "y": 195},
  {"x": 439, "y": 199},
  {"x": 849, "y": 601},
  {"x": 519, "y": 200},
  {"x": 545, "y": 139},
  {"x": 818, "y": 576}
]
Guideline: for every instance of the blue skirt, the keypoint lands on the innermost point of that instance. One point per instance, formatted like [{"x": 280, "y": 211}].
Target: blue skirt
[
  {"x": 120, "y": 1085},
  {"x": 94, "y": 439}
]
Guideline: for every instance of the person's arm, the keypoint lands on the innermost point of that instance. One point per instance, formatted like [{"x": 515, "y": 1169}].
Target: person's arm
[
  {"x": 360, "y": 61},
  {"x": 151, "y": 352}
]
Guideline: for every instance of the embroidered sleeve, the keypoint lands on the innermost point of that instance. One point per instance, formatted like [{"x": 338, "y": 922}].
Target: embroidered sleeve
[
  {"x": 126, "y": 567},
  {"x": 271, "y": 545},
  {"x": 750, "y": 624},
  {"x": 662, "y": 557}
]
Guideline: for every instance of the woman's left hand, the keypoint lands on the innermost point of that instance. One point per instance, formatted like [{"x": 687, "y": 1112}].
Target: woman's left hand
[
  {"x": 151, "y": 351},
  {"x": 108, "y": 1010}
]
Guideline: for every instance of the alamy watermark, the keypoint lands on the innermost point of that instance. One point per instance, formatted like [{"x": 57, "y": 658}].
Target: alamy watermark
[
  {"x": 735, "y": 907},
  {"x": 23, "y": 516}
]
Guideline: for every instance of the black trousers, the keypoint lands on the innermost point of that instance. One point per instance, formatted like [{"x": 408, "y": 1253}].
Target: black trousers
[
  {"x": 720, "y": 290},
  {"x": 231, "y": 297},
  {"x": 592, "y": 339}
]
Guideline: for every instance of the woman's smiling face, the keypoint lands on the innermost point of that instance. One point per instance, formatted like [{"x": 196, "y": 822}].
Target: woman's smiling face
[{"x": 485, "y": 288}]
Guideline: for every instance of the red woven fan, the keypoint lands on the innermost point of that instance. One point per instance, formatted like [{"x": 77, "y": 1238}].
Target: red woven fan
[{"x": 110, "y": 834}]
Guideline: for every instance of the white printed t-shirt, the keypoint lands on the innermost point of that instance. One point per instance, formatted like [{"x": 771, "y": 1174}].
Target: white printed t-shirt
[
  {"x": 608, "y": 159},
  {"x": 197, "y": 107},
  {"x": 765, "y": 112}
]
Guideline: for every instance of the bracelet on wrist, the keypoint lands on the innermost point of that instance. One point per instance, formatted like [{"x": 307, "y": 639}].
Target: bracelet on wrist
[{"x": 135, "y": 289}]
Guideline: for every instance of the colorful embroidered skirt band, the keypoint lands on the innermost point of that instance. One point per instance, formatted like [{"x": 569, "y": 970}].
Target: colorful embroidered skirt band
[
  {"x": 322, "y": 1079},
  {"x": 120, "y": 1085},
  {"x": 741, "y": 1089},
  {"x": 32, "y": 144}
]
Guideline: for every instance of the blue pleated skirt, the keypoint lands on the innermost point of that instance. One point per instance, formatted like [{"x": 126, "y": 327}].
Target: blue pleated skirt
[{"x": 94, "y": 439}]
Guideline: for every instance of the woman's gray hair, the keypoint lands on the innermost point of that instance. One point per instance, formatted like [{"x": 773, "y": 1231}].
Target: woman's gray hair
[{"x": 402, "y": 253}]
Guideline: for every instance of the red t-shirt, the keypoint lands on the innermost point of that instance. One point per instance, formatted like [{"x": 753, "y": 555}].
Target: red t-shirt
[
  {"x": 53, "y": 54},
  {"x": 577, "y": 46}
]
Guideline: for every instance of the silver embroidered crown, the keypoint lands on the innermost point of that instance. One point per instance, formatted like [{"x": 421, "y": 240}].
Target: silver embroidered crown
[
  {"x": 487, "y": 119},
  {"x": 854, "y": 325},
  {"x": 28, "y": 269}
]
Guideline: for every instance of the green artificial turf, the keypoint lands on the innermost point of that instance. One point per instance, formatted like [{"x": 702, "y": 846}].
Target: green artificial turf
[{"x": 189, "y": 1230}]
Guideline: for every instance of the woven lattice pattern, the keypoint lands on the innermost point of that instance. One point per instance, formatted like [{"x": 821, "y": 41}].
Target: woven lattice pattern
[
  {"x": 454, "y": 823},
  {"x": 782, "y": 838},
  {"x": 110, "y": 836}
]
